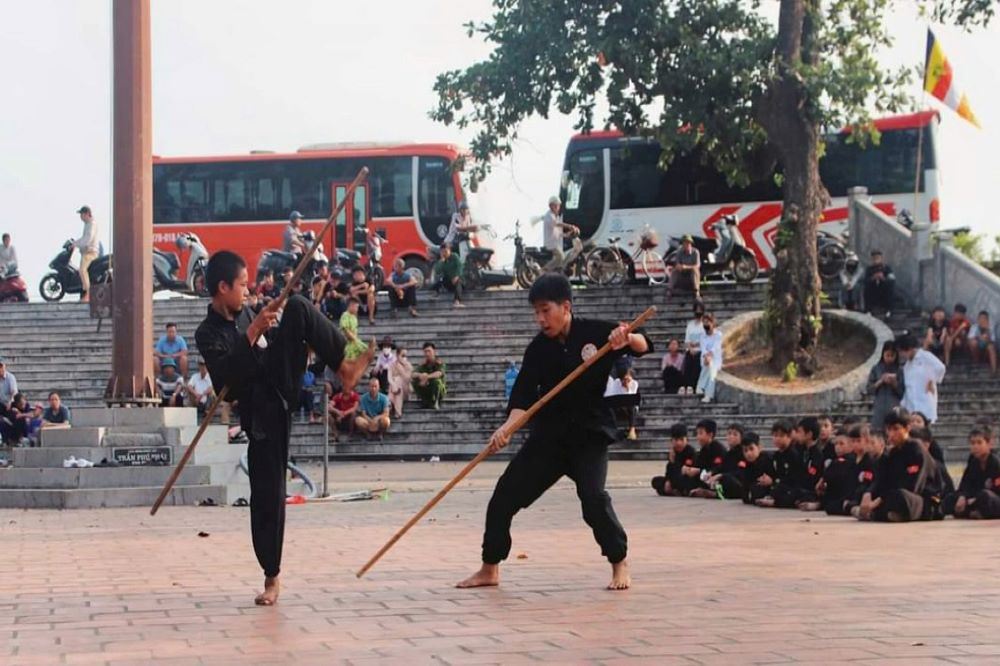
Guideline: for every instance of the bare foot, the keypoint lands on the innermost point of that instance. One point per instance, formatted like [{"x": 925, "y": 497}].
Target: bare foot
[
  {"x": 620, "y": 577},
  {"x": 765, "y": 502},
  {"x": 352, "y": 371},
  {"x": 269, "y": 596},
  {"x": 487, "y": 576},
  {"x": 809, "y": 506}
]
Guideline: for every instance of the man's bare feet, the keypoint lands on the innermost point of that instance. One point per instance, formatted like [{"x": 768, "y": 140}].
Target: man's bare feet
[
  {"x": 352, "y": 371},
  {"x": 269, "y": 596},
  {"x": 487, "y": 576},
  {"x": 620, "y": 577}
]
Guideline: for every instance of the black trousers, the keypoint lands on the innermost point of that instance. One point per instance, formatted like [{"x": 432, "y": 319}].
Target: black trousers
[
  {"x": 879, "y": 295},
  {"x": 986, "y": 503},
  {"x": 539, "y": 464},
  {"x": 732, "y": 486},
  {"x": 673, "y": 379},
  {"x": 409, "y": 299},
  {"x": 302, "y": 326},
  {"x": 907, "y": 505},
  {"x": 692, "y": 369},
  {"x": 454, "y": 287}
]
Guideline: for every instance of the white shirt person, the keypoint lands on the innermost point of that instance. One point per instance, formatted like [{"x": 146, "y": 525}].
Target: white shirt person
[{"x": 922, "y": 373}]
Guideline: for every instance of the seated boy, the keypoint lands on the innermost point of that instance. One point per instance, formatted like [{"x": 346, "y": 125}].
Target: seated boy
[
  {"x": 681, "y": 455},
  {"x": 941, "y": 481},
  {"x": 839, "y": 484},
  {"x": 806, "y": 437},
  {"x": 978, "y": 494},
  {"x": 727, "y": 483},
  {"x": 711, "y": 455},
  {"x": 958, "y": 332},
  {"x": 758, "y": 475},
  {"x": 826, "y": 437},
  {"x": 788, "y": 469},
  {"x": 982, "y": 345},
  {"x": 899, "y": 493}
]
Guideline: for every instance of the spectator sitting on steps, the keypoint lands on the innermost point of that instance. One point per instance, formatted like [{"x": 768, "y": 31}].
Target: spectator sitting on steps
[
  {"x": 267, "y": 290},
  {"x": 958, "y": 332},
  {"x": 8, "y": 256},
  {"x": 201, "y": 393},
  {"x": 349, "y": 327},
  {"x": 626, "y": 407},
  {"x": 686, "y": 272},
  {"x": 171, "y": 346},
  {"x": 402, "y": 289},
  {"x": 373, "y": 417},
  {"x": 170, "y": 385},
  {"x": 364, "y": 291},
  {"x": 879, "y": 285},
  {"x": 429, "y": 378},
  {"x": 672, "y": 368},
  {"x": 343, "y": 407},
  {"x": 56, "y": 415},
  {"x": 26, "y": 420},
  {"x": 982, "y": 344},
  {"x": 937, "y": 332},
  {"x": 449, "y": 270},
  {"x": 8, "y": 389},
  {"x": 851, "y": 286}
]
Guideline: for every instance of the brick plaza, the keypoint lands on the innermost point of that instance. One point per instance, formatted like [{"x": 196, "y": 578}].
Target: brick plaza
[{"x": 714, "y": 583}]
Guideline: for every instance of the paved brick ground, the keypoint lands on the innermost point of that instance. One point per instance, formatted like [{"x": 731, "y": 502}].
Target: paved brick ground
[{"x": 715, "y": 583}]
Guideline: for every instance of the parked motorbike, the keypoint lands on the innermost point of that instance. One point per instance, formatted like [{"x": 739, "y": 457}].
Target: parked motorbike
[
  {"x": 167, "y": 264},
  {"x": 65, "y": 279},
  {"x": 12, "y": 287},
  {"x": 477, "y": 269},
  {"x": 726, "y": 253},
  {"x": 831, "y": 253},
  {"x": 528, "y": 261},
  {"x": 276, "y": 261}
]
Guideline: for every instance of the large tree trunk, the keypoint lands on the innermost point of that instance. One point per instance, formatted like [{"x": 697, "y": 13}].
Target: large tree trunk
[{"x": 793, "y": 309}]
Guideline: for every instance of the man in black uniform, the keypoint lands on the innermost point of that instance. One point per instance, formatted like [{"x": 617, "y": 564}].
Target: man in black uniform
[
  {"x": 978, "y": 494},
  {"x": 899, "y": 493},
  {"x": 266, "y": 378},
  {"x": 569, "y": 436},
  {"x": 682, "y": 454}
]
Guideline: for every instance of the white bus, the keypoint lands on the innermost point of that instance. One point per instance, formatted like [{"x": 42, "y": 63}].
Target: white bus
[{"x": 611, "y": 186}]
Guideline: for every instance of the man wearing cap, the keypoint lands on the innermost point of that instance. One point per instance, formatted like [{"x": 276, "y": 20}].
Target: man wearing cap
[
  {"x": 553, "y": 229},
  {"x": 88, "y": 246},
  {"x": 879, "y": 283},
  {"x": 170, "y": 385},
  {"x": 687, "y": 268},
  {"x": 292, "y": 238}
]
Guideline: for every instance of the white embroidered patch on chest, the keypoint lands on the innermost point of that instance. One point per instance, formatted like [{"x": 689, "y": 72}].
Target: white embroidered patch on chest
[{"x": 588, "y": 350}]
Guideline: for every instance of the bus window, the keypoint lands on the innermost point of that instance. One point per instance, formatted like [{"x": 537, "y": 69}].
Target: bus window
[
  {"x": 584, "y": 191},
  {"x": 391, "y": 182},
  {"x": 435, "y": 196}
]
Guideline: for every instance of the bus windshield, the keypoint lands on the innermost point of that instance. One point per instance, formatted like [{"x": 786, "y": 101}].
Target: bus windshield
[{"x": 583, "y": 191}]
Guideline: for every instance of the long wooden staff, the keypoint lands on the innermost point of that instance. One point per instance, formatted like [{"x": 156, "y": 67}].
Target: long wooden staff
[
  {"x": 285, "y": 293},
  {"x": 485, "y": 453}
]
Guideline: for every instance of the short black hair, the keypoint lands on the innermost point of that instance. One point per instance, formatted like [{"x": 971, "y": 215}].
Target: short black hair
[
  {"x": 170, "y": 325},
  {"x": 223, "y": 266},
  {"x": 352, "y": 299},
  {"x": 678, "y": 431},
  {"x": 984, "y": 313},
  {"x": 56, "y": 394},
  {"x": 783, "y": 426},
  {"x": 906, "y": 342},
  {"x": 751, "y": 438},
  {"x": 552, "y": 287},
  {"x": 737, "y": 427},
  {"x": 359, "y": 267},
  {"x": 923, "y": 434},
  {"x": 938, "y": 308},
  {"x": 429, "y": 344},
  {"x": 5, "y": 237},
  {"x": 809, "y": 424},
  {"x": 708, "y": 425},
  {"x": 825, "y": 417},
  {"x": 960, "y": 307},
  {"x": 898, "y": 416},
  {"x": 859, "y": 431},
  {"x": 981, "y": 431}
]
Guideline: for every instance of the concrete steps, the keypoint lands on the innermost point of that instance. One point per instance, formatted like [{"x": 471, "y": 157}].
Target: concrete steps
[{"x": 90, "y": 498}]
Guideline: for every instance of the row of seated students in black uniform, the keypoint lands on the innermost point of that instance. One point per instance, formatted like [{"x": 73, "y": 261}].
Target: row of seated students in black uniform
[{"x": 848, "y": 471}]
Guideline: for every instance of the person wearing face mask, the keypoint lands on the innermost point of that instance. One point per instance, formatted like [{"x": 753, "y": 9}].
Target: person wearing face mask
[
  {"x": 383, "y": 361},
  {"x": 400, "y": 376},
  {"x": 711, "y": 359},
  {"x": 693, "y": 334}
]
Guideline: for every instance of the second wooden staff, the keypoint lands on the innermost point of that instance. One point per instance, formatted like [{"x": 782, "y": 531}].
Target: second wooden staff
[{"x": 485, "y": 453}]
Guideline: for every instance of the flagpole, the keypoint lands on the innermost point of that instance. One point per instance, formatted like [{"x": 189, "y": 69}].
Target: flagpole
[{"x": 920, "y": 140}]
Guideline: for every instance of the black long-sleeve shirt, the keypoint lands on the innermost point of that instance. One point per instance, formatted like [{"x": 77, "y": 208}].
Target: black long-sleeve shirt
[
  {"x": 788, "y": 467},
  {"x": 979, "y": 476},
  {"x": 683, "y": 458},
  {"x": 841, "y": 477},
  {"x": 905, "y": 467},
  {"x": 711, "y": 457},
  {"x": 580, "y": 407}
]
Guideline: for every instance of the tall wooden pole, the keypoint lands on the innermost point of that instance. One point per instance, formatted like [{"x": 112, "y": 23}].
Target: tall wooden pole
[{"x": 132, "y": 310}]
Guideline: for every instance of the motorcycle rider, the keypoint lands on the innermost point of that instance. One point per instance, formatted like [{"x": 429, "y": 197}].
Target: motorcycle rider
[
  {"x": 8, "y": 256},
  {"x": 292, "y": 237},
  {"x": 459, "y": 230},
  {"x": 88, "y": 246},
  {"x": 553, "y": 229}
]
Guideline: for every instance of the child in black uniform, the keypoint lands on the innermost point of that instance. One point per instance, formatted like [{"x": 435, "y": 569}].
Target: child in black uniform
[
  {"x": 978, "y": 494},
  {"x": 727, "y": 483},
  {"x": 759, "y": 472},
  {"x": 711, "y": 455},
  {"x": 569, "y": 436},
  {"x": 806, "y": 436},
  {"x": 839, "y": 485},
  {"x": 681, "y": 455},
  {"x": 788, "y": 470},
  {"x": 266, "y": 378},
  {"x": 899, "y": 493}
]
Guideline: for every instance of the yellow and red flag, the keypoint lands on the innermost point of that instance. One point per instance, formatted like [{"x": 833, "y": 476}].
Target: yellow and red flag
[{"x": 938, "y": 80}]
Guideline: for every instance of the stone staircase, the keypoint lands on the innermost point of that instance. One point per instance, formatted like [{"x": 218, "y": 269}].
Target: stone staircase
[{"x": 57, "y": 347}]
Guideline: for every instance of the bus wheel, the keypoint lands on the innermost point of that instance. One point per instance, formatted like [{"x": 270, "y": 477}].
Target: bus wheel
[
  {"x": 419, "y": 269},
  {"x": 745, "y": 269}
]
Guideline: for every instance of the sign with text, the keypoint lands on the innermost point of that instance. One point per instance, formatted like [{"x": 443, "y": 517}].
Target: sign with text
[{"x": 139, "y": 456}]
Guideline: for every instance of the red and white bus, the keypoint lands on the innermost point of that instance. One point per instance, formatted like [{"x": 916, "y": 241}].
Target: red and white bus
[
  {"x": 612, "y": 186},
  {"x": 242, "y": 202}
]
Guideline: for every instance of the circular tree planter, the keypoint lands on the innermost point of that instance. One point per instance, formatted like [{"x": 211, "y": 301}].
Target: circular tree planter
[{"x": 809, "y": 397}]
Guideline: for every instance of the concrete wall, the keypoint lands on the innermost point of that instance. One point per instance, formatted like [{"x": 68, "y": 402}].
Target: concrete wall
[{"x": 929, "y": 270}]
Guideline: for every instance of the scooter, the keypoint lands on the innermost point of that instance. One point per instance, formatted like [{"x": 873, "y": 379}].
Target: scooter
[
  {"x": 276, "y": 260},
  {"x": 65, "y": 279},
  {"x": 831, "y": 253},
  {"x": 167, "y": 264},
  {"x": 477, "y": 269},
  {"x": 726, "y": 253},
  {"x": 12, "y": 287}
]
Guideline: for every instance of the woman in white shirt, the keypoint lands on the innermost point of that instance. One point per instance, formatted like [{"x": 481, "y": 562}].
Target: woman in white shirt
[
  {"x": 692, "y": 347},
  {"x": 711, "y": 359}
]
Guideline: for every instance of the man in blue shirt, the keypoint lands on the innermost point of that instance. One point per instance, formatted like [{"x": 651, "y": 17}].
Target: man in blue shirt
[
  {"x": 171, "y": 346},
  {"x": 373, "y": 415},
  {"x": 402, "y": 289}
]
